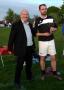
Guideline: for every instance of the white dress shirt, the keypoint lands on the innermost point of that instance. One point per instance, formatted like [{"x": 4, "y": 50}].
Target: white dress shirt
[{"x": 28, "y": 33}]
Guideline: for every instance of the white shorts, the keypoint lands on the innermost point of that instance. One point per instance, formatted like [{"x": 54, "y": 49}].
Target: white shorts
[{"x": 47, "y": 47}]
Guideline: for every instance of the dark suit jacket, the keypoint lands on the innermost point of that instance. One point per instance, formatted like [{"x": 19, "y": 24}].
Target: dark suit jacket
[{"x": 17, "y": 40}]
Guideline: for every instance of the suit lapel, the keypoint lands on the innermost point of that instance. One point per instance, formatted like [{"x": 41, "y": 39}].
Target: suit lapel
[
  {"x": 30, "y": 27},
  {"x": 22, "y": 27}
]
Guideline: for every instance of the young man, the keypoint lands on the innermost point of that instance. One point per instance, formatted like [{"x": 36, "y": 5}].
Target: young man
[
  {"x": 21, "y": 43},
  {"x": 45, "y": 26}
]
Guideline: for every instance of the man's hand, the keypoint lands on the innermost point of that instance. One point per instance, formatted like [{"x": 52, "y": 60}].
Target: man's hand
[
  {"x": 46, "y": 34},
  {"x": 52, "y": 29}
]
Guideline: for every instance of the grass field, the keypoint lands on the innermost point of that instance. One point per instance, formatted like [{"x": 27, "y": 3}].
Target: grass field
[{"x": 7, "y": 73}]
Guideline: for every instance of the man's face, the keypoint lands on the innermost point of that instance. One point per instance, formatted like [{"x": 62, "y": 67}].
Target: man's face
[
  {"x": 43, "y": 10},
  {"x": 24, "y": 15}
]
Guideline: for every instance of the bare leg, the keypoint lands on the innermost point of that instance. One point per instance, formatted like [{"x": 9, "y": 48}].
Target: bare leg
[
  {"x": 53, "y": 62},
  {"x": 42, "y": 66},
  {"x": 54, "y": 68}
]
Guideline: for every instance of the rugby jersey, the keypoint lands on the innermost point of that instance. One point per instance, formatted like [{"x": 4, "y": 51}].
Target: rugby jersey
[{"x": 43, "y": 26}]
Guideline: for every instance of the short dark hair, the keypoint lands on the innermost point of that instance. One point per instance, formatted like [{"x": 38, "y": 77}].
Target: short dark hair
[{"x": 41, "y": 5}]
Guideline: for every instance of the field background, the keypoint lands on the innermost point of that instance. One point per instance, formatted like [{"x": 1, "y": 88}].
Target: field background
[{"x": 7, "y": 73}]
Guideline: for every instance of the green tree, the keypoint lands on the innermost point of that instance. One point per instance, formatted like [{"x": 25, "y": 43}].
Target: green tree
[
  {"x": 10, "y": 15},
  {"x": 16, "y": 17},
  {"x": 54, "y": 11},
  {"x": 61, "y": 13}
]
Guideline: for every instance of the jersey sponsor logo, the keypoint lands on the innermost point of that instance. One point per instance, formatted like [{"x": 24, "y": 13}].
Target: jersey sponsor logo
[{"x": 46, "y": 21}]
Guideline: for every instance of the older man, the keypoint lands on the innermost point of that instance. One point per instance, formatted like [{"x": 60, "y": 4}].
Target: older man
[{"x": 21, "y": 43}]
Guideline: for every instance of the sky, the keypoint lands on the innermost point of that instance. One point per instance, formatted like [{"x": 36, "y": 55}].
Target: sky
[{"x": 30, "y": 5}]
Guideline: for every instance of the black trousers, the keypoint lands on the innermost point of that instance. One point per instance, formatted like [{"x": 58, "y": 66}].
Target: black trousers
[{"x": 20, "y": 60}]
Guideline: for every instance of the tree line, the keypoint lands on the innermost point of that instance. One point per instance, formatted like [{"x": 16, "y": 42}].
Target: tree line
[{"x": 56, "y": 12}]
